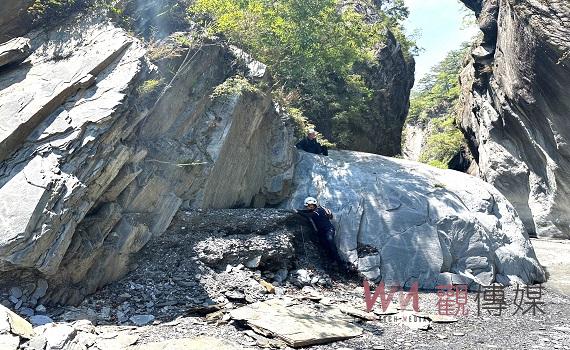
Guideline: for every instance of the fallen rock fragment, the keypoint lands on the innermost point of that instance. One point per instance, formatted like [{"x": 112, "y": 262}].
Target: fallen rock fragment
[
  {"x": 40, "y": 320},
  {"x": 235, "y": 295},
  {"x": 199, "y": 343},
  {"x": 264, "y": 342},
  {"x": 203, "y": 310},
  {"x": 352, "y": 311},
  {"x": 294, "y": 324},
  {"x": 14, "y": 51},
  {"x": 141, "y": 320},
  {"x": 58, "y": 336},
  {"x": 254, "y": 262},
  {"x": 14, "y": 324},
  {"x": 40, "y": 290},
  {"x": 268, "y": 286},
  {"x": 16, "y": 292},
  {"x": 119, "y": 341},
  {"x": 214, "y": 316}
]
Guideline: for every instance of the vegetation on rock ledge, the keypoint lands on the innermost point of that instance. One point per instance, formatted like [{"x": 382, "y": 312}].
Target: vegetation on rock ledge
[
  {"x": 311, "y": 48},
  {"x": 434, "y": 105}
]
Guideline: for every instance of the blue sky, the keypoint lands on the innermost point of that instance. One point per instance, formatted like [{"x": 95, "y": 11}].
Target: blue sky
[{"x": 441, "y": 29}]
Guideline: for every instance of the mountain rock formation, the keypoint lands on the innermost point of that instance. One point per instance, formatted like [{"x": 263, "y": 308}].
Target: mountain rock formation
[
  {"x": 92, "y": 168},
  {"x": 103, "y": 139},
  {"x": 516, "y": 108},
  {"x": 391, "y": 78}
]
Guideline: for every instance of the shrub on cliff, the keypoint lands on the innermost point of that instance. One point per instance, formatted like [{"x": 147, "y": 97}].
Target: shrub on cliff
[
  {"x": 443, "y": 142},
  {"x": 437, "y": 93},
  {"x": 52, "y": 10}
]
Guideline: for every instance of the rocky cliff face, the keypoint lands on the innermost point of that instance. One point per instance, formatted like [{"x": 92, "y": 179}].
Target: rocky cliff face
[
  {"x": 391, "y": 79},
  {"x": 414, "y": 138},
  {"x": 14, "y": 20},
  {"x": 403, "y": 222},
  {"x": 93, "y": 166},
  {"x": 100, "y": 147},
  {"x": 516, "y": 108}
]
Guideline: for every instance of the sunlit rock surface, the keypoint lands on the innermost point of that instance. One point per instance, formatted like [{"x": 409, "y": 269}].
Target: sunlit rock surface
[
  {"x": 402, "y": 222},
  {"x": 92, "y": 167},
  {"x": 516, "y": 108}
]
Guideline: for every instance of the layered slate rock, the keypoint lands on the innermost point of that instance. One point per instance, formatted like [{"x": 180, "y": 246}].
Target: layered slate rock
[
  {"x": 403, "y": 222},
  {"x": 58, "y": 107},
  {"x": 516, "y": 108},
  {"x": 14, "y": 51},
  {"x": 93, "y": 165}
]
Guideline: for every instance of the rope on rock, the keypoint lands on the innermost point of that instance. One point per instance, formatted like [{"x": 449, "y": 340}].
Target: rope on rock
[{"x": 176, "y": 164}]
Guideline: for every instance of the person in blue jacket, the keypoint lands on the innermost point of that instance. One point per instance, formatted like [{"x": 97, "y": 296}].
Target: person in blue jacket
[{"x": 320, "y": 218}]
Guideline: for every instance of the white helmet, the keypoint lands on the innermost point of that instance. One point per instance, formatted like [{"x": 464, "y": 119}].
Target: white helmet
[{"x": 310, "y": 200}]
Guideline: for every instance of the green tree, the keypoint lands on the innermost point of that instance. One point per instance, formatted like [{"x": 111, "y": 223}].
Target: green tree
[
  {"x": 436, "y": 93},
  {"x": 51, "y": 10},
  {"x": 301, "y": 40},
  {"x": 311, "y": 47},
  {"x": 434, "y": 105}
]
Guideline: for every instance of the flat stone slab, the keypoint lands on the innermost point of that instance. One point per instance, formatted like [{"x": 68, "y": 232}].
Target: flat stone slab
[
  {"x": 14, "y": 51},
  {"x": 294, "y": 324},
  {"x": 12, "y": 323}
]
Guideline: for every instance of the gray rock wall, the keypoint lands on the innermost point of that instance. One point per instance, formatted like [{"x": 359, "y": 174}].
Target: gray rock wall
[
  {"x": 391, "y": 79},
  {"x": 414, "y": 138},
  {"x": 403, "y": 222},
  {"x": 91, "y": 168},
  {"x": 14, "y": 19},
  {"x": 516, "y": 108}
]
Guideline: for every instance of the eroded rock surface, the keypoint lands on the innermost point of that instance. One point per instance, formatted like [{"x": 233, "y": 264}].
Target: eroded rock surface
[
  {"x": 401, "y": 221},
  {"x": 14, "y": 51},
  {"x": 93, "y": 166},
  {"x": 391, "y": 79},
  {"x": 516, "y": 107}
]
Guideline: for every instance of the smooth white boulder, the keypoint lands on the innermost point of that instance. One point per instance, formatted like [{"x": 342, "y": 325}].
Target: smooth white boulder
[{"x": 401, "y": 221}]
